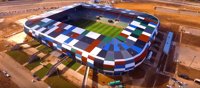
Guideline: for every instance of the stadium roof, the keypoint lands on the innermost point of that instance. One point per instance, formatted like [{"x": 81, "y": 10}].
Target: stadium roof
[{"x": 128, "y": 45}]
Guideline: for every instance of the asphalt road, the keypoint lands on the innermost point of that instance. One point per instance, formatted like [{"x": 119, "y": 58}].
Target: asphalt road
[
  {"x": 22, "y": 2},
  {"x": 17, "y": 2},
  {"x": 6, "y": 82},
  {"x": 34, "y": 3},
  {"x": 8, "y": 9},
  {"x": 19, "y": 74},
  {"x": 186, "y": 3}
]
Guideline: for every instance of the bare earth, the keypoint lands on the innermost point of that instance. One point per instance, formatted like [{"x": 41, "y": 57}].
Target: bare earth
[
  {"x": 164, "y": 17},
  {"x": 189, "y": 56}
]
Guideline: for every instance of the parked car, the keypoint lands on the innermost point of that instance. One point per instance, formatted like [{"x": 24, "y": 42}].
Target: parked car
[
  {"x": 184, "y": 76},
  {"x": 197, "y": 81},
  {"x": 181, "y": 84},
  {"x": 174, "y": 79},
  {"x": 169, "y": 86},
  {"x": 37, "y": 78},
  {"x": 32, "y": 80},
  {"x": 34, "y": 75},
  {"x": 6, "y": 73}
]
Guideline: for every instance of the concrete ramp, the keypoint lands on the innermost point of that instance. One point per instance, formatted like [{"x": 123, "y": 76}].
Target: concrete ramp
[{"x": 54, "y": 69}]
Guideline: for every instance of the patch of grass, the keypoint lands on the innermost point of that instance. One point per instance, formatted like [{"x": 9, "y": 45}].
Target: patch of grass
[
  {"x": 59, "y": 82},
  {"x": 75, "y": 66},
  {"x": 43, "y": 71},
  {"x": 71, "y": 64},
  {"x": 33, "y": 65},
  {"x": 44, "y": 49},
  {"x": 19, "y": 56},
  {"x": 67, "y": 61},
  {"x": 34, "y": 43}
]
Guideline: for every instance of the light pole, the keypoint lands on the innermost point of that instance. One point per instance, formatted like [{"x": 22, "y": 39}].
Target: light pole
[
  {"x": 181, "y": 35},
  {"x": 192, "y": 61}
]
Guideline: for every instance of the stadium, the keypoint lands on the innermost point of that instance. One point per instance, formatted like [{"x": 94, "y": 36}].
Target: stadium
[{"x": 110, "y": 40}]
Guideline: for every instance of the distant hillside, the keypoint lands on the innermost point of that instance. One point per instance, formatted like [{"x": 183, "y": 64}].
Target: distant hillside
[
  {"x": 14, "y": 0},
  {"x": 7, "y": 0},
  {"x": 194, "y": 0}
]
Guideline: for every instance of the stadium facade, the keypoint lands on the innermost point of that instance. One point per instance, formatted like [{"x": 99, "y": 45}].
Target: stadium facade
[{"x": 109, "y": 55}]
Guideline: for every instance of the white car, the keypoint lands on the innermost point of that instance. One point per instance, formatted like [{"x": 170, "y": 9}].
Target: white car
[
  {"x": 197, "y": 81},
  {"x": 6, "y": 73},
  {"x": 169, "y": 86}
]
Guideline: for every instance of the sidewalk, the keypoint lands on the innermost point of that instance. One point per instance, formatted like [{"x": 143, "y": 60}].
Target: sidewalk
[
  {"x": 77, "y": 78},
  {"x": 19, "y": 74},
  {"x": 72, "y": 75}
]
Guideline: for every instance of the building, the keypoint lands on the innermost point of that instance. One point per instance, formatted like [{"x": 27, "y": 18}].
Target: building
[{"x": 62, "y": 30}]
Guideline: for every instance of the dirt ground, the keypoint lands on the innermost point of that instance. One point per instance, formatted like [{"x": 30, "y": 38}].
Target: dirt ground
[
  {"x": 191, "y": 39},
  {"x": 6, "y": 82},
  {"x": 148, "y": 7},
  {"x": 189, "y": 56},
  {"x": 9, "y": 27},
  {"x": 4, "y": 45}
]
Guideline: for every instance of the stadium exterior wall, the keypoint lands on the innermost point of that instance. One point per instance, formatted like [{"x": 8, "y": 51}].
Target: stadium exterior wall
[{"x": 38, "y": 36}]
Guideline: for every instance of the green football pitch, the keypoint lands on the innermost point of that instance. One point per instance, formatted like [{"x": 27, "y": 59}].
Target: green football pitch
[{"x": 101, "y": 28}]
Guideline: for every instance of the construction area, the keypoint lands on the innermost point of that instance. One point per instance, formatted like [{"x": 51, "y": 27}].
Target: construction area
[{"x": 182, "y": 58}]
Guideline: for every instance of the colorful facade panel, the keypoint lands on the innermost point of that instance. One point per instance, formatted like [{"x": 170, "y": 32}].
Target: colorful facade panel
[{"x": 112, "y": 56}]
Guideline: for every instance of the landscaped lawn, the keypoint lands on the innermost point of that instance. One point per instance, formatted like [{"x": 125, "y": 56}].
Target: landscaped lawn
[
  {"x": 71, "y": 64},
  {"x": 67, "y": 61},
  {"x": 75, "y": 66},
  {"x": 19, "y": 56},
  {"x": 33, "y": 65},
  {"x": 43, "y": 71},
  {"x": 44, "y": 49},
  {"x": 59, "y": 82},
  {"x": 33, "y": 43}
]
